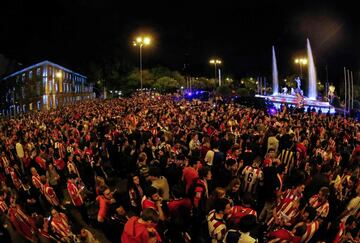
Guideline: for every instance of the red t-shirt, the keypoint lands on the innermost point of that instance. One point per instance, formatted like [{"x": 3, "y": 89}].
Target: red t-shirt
[
  {"x": 283, "y": 234},
  {"x": 135, "y": 232},
  {"x": 189, "y": 174},
  {"x": 41, "y": 162},
  {"x": 59, "y": 163},
  {"x": 103, "y": 206},
  {"x": 175, "y": 205},
  {"x": 147, "y": 203}
]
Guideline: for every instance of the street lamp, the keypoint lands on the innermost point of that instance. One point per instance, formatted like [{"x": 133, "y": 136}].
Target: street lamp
[
  {"x": 215, "y": 62},
  {"x": 140, "y": 42},
  {"x": 59, "y": 76},
  {"x": 301, "y": 61}
]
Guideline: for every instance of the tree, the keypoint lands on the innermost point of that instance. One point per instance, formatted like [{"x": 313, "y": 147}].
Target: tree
[
  {"x": 203, "y": 83},
  {"x": 166, "y": 84},
  {"x": 159, "y": 72},
  {"x": 178, "y": 77},
  {"x": 249, "y": 83},
  {"x": 224, "y": 90},
  {"x": 132, "y": 80},
  {"x": 242, "y": 92}
]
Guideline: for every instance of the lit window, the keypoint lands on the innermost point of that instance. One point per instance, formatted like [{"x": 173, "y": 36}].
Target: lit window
[
  {"x": 23, "y": 77},
  {"x": 38, "y": 72},
  {"x": 30, "y": 74}
]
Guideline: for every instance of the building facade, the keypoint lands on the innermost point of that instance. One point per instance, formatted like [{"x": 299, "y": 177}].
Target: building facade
[{"x": 42, "y": 86}]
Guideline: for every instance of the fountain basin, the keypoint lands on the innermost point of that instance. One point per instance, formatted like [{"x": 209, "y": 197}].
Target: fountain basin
[{"x": 293, "y": 100}]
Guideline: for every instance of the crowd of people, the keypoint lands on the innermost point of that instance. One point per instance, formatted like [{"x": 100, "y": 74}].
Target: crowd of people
[{"x": 189, "y": 171}]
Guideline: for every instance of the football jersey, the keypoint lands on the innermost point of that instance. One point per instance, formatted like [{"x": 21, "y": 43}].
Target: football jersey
[{"x": 251, "y": 178}]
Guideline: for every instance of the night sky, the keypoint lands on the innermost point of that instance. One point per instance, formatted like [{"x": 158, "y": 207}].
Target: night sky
[{"x": 78, "y": 32}]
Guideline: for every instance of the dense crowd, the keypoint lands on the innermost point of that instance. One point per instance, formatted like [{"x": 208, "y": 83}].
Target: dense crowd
[{"x": 152, "y": 169}]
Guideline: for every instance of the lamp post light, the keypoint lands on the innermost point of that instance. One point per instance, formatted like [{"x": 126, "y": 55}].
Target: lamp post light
[
  {"x": 59, "y": 76},
  {"x": 140, "y": 42},
  {"x": 301, "y": 61},
  {"x": 215, "y": 62}
]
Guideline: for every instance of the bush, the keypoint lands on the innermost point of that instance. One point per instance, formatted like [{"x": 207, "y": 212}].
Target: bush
[
  {"x": 224, "y": 91},
  {"x": 243, "y": 92}
]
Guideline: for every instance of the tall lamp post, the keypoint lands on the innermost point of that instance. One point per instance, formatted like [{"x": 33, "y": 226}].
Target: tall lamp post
[
  {"x": 58, "y": 86},
  {"x": 301, "y": 62},
  {"x": 59, "y": 76},
  {"x": 215, "y": 62},
  {"x": 140, "y": 42}
]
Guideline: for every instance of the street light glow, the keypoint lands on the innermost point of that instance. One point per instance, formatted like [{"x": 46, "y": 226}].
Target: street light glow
[
  {"x": 58, "y": 74},
  {"x": 301, "y": 61},
  {"x": 147, "y": 40},
  {"x": 215, "y": 61},
  {"x": 142, "y": 40}
]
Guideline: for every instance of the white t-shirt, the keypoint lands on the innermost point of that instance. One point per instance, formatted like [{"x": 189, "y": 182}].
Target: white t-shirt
[
  {"x": 246, "y": 238},
  {"x": 353, "y": 206},
  {"x": 209, "y": 157}
]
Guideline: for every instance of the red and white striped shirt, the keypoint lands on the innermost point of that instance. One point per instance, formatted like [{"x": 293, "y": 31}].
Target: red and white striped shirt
[
  {"x": 311, "y": 229},
  {"x": 3, "y": 206},
  {"x": 340, "y": 232},
  {"x": 21, "y": 222},
  {"x": 292, "y": 195},
  {"x": 217, "y": 227},
  {"x": 15, "y": 179},
  {"x": 5, "y": 164},
  {"x": 252, "y": 178},
  {"x": 322, "y": 208},
  {"x": 74, "y": 194},
  {"x": 36, "y": 181},
  {"x": 61, "y": 226},
  {"x": 50, "y": 194},
  {"x": 286, "y": 211}
]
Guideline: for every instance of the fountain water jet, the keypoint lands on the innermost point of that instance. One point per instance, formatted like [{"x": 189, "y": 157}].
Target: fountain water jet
[
  {"x": 312, "y": 93},
  {"x": 275, "y": 78}
]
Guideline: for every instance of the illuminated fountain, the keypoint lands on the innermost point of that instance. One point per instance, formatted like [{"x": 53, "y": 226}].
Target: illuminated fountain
[{"x": 296, "y": 97}]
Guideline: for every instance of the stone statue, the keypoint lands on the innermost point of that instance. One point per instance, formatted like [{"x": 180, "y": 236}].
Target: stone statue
[
  {"x": 285, "y": 89},
  {"x": 298, "y": 81},
  {"x": 292, "y": 91}
]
